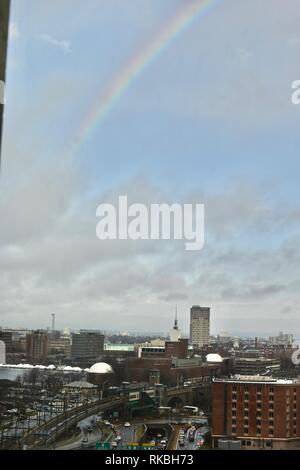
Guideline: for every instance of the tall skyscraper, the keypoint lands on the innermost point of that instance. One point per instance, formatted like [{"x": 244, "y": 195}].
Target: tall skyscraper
[
  {"x": 199, "y": 326},
  {"x": 4, "y": 22}
]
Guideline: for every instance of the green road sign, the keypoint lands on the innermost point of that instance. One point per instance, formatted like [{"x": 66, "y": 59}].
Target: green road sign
[
  {"x": 136, "y": 446},
  {"x": 103, "y": 446}
]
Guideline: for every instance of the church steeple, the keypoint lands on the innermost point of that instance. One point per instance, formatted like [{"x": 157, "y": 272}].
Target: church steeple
[
  {"x": 175, "y": 333},
  {"x": 176, "y": 321}
]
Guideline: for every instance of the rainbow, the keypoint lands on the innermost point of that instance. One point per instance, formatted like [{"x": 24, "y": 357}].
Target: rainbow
[{"x": 180, "y": 22}]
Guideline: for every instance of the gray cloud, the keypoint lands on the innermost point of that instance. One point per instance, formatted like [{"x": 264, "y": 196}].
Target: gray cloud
[
  {"x": 51, "y": 260},
  {"x": 62, "y": 44}
]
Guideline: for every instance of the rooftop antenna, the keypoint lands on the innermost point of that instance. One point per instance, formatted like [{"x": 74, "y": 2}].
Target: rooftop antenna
[
  {"x": 53, "y": 321},
  {"x": 176, "y": 321}
]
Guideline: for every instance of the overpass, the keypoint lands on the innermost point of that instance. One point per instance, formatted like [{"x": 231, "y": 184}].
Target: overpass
[
  {"x": 49, "y": 431},
  {"x": 197, "y": 395}
]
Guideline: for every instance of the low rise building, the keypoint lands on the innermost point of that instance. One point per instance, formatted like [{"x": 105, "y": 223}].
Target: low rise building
[
  {"x": 80, "y": 390},
  {"x": 261, "y": 412},
  {"x": 256, "y": 365}
]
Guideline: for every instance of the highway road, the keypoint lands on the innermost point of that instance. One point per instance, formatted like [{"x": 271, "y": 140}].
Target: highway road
[
  {"x": 89, "y": 430},
  {"x": 56, "y": 426},
  {"x": 128, "y": 434},
  {"x": 199, "y": 439}
]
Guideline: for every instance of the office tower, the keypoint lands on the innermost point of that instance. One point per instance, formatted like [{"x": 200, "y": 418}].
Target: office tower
[
  {"x": 37, "y": 346},
  {"x": 87, "y": 344},
  {"x": 199, "y": 326},
  {"x": 4, "y": 22}
]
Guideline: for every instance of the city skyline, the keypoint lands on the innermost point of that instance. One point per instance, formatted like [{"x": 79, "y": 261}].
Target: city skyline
[
  {"x": 190, "y": 108},
  {"x": 163, "y": 333}
]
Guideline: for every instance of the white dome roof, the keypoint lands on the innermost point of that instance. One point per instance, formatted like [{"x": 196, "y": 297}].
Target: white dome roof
[
  {"x": 101, "y": 368},
  {"x": 214, "y": 358}
]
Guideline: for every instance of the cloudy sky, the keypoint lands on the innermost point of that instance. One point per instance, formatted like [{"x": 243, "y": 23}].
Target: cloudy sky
[{"x": 208, "y": 120}]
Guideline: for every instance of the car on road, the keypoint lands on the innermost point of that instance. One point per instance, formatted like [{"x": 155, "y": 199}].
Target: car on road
[
  {"x": 107, "y": 423},
  {"x": 127, "y": 425},
  {"x": 114, "y": 444},
  {"x": 200, "y": 442},
  {"x": 163, "y": 443},
  {"x": 191, "y": 434},
  {"x": 187, "y": 384},
  {"x": 181, "y": 442}
]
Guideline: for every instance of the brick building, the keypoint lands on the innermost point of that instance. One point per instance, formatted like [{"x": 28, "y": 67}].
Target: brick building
[
  {"x": 260, "y": 411},
  {"x": 173, "y": 371},
  {"x": 37, "y": 346},
  {"x": 170, "y": 349}
]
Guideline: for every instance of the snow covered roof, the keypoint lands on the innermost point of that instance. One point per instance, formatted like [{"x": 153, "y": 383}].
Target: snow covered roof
[
  {"x": 101, "y": 368},
  {"x": 214, "y": 358}
]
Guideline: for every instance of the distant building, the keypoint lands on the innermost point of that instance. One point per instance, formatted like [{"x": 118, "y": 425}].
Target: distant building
[
  {"x": 61, "y": 345},
  {"x": 87, "y": 344},
  {"x": 2, "y": 352},
  {"x": 80, "y": 389},
  {"x": 37, "y": 346},
  {"x": 256, "y": 365},
  {"x": 199, "y": 326},
  {"x": 259, "y": 411},
  {"x": 224, "y": 337},
  {"x": 172, "y": 371},
  {"x": 178, "y": 349},
  {"x": 7, "y": 337},
  {"x": 282, "y": 340},
  {"x": 170, "y": 349}
]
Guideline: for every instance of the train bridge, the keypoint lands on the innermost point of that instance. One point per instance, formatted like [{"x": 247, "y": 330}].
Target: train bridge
[
  {"x": 139, "y": 403},
  {"x": 197, "y": 395}
]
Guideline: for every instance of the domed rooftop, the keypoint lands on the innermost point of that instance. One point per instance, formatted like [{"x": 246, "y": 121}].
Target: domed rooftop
[
  {"x": 214, "y": 358},
  {"x": 101, "y": 368}
]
